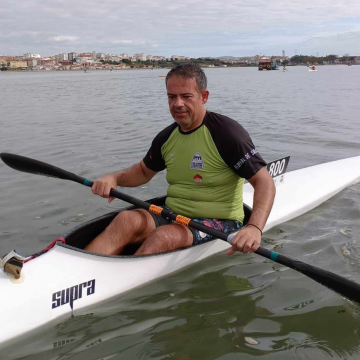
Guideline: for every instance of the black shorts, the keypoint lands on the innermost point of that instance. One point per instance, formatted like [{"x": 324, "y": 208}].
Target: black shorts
[{"x": 199, "y": 237}]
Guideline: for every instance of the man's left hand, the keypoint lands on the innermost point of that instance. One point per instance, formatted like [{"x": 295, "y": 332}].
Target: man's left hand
[{"x": 246, "y": 240}]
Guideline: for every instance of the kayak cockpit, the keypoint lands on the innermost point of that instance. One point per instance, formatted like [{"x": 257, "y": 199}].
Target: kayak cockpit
[{"x": 83, "y": 234}]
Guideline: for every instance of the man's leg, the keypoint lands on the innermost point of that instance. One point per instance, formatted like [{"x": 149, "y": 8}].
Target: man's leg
[
  {"x": 129, "y": 226},
  {"x": 176, "y": 236},
  {"x": 166, "y": 238}
]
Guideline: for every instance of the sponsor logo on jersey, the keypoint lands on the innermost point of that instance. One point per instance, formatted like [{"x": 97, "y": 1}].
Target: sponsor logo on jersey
[
  {"x": 198, "y": 179},
  {"x": 69, "y": 295},
  {"x": 245, "y": 158},
  {"x": 197, "y": 162}
]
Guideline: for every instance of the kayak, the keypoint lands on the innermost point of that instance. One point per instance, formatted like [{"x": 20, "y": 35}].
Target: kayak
[{"x": 63, "y": 279}]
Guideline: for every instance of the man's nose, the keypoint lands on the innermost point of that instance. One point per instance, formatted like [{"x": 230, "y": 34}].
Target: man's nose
[{"x": 179, "y": 101}]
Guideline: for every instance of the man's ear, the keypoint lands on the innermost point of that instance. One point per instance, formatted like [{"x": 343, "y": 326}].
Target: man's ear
[{"x": 205, "y": 96}]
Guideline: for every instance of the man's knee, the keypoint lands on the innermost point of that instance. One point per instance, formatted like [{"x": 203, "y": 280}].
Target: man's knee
[
  {"x": 139, "y": 221},
  {"x": 122, "y": 218},
  {"x": 167, "y": 238},
  {"x": 129, "y": 216}
]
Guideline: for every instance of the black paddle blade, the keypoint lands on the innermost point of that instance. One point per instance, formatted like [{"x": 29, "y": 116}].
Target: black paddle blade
[{"x": 32, "y": 166}]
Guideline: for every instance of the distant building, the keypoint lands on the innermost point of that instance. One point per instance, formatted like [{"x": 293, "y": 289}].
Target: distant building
[
  {"x": 179, "y": 57},
  {"x": 254, "y": 60},
  {"x": 32, "y": 63},
  {"x": 83, "y": 60},
  {"x": 72, "y": 56},
  {"x": 17, "y": 64},
  {"x": 47, "y": 64},
  {"x": 93, "y": 55},
  {"x": 63, "y": 57},
  {"x": 29, "y": 56},
  {"x": 155, "y": 58},
  {"x": 140, "y": 57}
]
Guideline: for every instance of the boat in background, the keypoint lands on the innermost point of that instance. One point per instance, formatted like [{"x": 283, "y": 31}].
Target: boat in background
[
  {"x": 274, "y": 65},
  {"x": 264, "y": 63}
]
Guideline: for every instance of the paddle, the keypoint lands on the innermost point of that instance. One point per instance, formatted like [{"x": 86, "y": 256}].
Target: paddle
[{"x": 343, "y": 286}]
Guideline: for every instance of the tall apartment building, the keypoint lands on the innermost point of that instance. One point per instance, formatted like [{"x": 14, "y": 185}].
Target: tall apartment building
[
  {"x": 63, "y": 57},
  {"x": 72, "y": 56}
]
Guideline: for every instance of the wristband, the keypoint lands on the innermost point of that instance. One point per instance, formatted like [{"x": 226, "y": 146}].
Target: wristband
[{"x": 255, "y": 226}]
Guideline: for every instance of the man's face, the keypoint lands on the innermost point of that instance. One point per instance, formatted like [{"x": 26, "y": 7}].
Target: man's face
[{"x": 186, "y": 103}]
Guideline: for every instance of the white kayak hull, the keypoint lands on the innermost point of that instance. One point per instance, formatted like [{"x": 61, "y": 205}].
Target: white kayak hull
[{"x": 65, "y": 280}]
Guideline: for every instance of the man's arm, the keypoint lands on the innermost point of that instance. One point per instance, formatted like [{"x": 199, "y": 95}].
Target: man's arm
[
  {"x": 136, "y": 175},
  {"x": 248, "y": 239}
]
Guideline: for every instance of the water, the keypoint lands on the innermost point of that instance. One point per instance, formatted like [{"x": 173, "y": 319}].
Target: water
[{"x": 99, "y": 122}]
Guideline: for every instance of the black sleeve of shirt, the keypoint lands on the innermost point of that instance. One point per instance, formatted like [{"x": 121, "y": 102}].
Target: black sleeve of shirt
[
  {"x": 234, "y": 145},
  {"x": 153, "y": 159}
]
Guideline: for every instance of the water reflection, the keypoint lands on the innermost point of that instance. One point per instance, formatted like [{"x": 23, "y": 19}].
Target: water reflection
[{"x": 209, "y": 316}]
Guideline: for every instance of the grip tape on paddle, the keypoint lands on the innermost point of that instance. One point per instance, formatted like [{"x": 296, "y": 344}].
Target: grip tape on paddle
[
  {"x": 182, "y": 220},
  {"x": 155, "y": 209}
]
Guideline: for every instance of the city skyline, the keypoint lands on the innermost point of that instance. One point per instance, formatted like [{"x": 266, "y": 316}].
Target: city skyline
[
  {"x": 156, "y": 57},
  {"x": 190, "y": 28}
]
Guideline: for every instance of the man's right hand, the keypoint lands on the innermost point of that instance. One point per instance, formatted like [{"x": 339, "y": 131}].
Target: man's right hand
[{"x": 103, "y": 186}]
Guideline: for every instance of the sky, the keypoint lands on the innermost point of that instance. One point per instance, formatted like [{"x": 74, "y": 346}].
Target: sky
[{"x": 188, "y": 27}]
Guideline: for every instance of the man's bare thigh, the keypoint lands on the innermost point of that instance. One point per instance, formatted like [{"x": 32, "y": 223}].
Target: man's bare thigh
[{"x": 166, "y": 238}]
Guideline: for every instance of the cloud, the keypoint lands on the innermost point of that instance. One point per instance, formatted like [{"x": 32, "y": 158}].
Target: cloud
[
  {"x": 345, "y": 43},
  {"x": 192, "y": 27},
  {"x": 122, "y": 41},
  {"x": 64, "y": 38}
]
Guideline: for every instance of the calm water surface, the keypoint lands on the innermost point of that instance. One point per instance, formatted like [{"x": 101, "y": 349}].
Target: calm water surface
[{"x": 98, "y": 122}]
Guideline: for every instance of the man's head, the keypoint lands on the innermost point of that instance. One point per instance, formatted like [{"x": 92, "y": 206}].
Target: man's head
[
  {"x": 189, "y": 71},
  {"x": 187, "y": 95}
]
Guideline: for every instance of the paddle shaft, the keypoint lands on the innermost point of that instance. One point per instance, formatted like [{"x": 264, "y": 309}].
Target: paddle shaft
[{"x": 346, "y": 287}]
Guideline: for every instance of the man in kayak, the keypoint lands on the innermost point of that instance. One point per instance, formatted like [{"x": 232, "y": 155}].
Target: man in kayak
[{"x": 207, "y": 157}]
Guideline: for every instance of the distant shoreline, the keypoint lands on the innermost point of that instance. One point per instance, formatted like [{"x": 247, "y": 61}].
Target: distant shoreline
[{"x": 145, "y": 68}]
